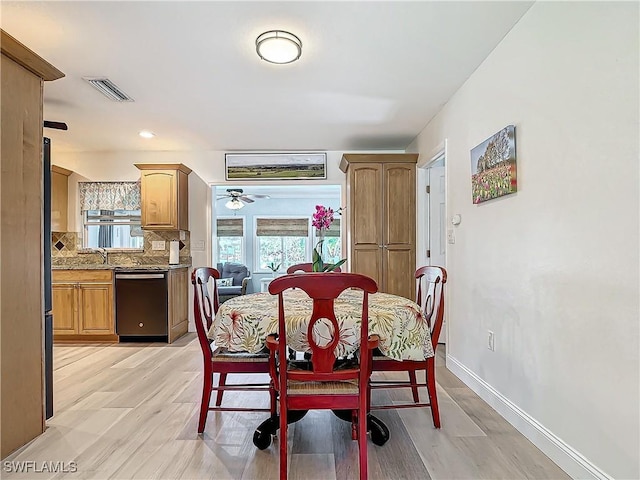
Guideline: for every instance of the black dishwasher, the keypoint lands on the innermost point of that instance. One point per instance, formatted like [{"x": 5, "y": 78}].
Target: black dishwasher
[{"x": 141, "y": 306}]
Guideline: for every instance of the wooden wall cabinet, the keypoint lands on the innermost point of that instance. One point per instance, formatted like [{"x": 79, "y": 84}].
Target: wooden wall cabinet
[
  {"x": 59, "y": 198},
  {"x": 381, "y": 211},
  {"x": 178, "y": 303},
  {"x": 22, "y": 73},
  {"x": 165, "y": 196},
  {"x": 83, "y": 305}
]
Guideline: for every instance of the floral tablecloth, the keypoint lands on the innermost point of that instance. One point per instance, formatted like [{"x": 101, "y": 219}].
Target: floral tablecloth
[{"x": 243, "y": 323}]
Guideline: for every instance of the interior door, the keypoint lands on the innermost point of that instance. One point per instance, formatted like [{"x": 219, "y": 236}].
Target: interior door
[
  {"x": 437, "y": 215},
  {"x": 437, "y": 222}
]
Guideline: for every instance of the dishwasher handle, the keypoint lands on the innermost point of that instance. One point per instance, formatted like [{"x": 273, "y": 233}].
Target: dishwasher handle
[{"x": 138, "y": 276}]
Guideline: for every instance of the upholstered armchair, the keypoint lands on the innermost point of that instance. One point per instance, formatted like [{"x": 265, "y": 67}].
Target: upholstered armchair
[{"x": 239, "y": 276}]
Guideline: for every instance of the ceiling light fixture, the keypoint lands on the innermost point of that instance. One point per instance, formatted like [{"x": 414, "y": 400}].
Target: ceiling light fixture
[
  {"x": 146, "y": 134},
  {"x": 278, "y": 46},
  {"x": 234, "y": 204}
]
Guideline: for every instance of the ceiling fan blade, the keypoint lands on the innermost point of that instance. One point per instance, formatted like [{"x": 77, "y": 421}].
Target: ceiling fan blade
[
  {"x": 246, "y": 199},
  {"x": 256, "y": 195},
  {"x": 56, "y": 125}
]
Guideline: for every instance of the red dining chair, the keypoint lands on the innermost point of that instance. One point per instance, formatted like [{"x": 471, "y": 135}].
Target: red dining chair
[
  {"x": 220, "y": 360},
  {"x": 307, "y": 268},
  {"x": 322, "y": 386},
  {"x": 430, "y": 296}
]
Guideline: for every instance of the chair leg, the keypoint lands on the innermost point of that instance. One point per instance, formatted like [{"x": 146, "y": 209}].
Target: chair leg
[
  {"x": 354, "y": 425},
  {"x": 206, "y": 398},
  {"x": 414, "y": 388},
  {"x": 283, "y": 442},
  {"x": 362, "y": 441},
  {"x": 431, "y": 388},
  {"x": 221, "y": 383},
  {"x": 273, "y": 398}
]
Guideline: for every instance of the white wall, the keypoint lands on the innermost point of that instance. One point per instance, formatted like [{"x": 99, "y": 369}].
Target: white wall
[{"x": 553, "y": 269}]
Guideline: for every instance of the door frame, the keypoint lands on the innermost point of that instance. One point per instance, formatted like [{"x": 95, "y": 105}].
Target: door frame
[{"x": 422, "y": 212}]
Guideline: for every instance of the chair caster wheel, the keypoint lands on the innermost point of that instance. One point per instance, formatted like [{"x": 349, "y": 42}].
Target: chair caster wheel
[
  {"x": 379, "y": 431},
  {"x": 261, "y": 439}
]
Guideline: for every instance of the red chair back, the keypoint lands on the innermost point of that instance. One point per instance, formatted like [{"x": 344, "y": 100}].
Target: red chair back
[
  {"x": 430, "y": 296},
  {"x": 306, "y": 267},
  {"x": 323, "y": 289},
  {"x": 205, "y": 304}
]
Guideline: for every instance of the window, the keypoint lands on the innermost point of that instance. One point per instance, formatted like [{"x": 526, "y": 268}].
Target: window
[
  {"x": 230, "y": 232},
  {"x": 111, "y": 214},
  {"x": 283, "y": 241},
  {"x": 112, "y": 229}
]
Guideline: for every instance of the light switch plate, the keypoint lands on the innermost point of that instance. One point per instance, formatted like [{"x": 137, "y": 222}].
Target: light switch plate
[
  {"x": 183, "y": 235},
  {"x": 451, "y": 237},
  {"x": 158, "y": 245},
  {"x": 198, "y": 246}
]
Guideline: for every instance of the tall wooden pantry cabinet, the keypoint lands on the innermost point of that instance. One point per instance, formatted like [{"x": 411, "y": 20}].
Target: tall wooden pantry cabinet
[
  {"x": 381, "y": 211},
  {"x": 21, "y": 251}
]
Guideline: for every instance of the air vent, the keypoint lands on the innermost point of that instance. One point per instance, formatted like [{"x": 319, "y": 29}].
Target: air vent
[{"x": 108, "y": 89}]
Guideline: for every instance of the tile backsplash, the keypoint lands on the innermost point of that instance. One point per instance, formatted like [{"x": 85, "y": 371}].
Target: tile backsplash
[{"x": 66, "y": 249}]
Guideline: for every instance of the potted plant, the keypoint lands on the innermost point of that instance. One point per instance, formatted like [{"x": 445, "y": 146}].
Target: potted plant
[{"x": 274, "y": 267}]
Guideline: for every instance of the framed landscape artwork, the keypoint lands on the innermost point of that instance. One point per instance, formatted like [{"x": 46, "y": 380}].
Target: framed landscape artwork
[
  {"x": 275, "y": 166},
  {"x": 493, "y": 166}
]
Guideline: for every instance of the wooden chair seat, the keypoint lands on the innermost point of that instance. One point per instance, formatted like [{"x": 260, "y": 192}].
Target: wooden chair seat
[
  {"x": 224, "y": 355},
  {"x": 297, "y": 387}
]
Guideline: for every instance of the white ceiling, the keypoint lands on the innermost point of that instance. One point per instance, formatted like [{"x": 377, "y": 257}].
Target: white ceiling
[{"x": 371, "y": 75}]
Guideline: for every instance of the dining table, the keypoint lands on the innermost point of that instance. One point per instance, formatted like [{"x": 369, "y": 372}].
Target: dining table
[{"x": 242, "y": 324}]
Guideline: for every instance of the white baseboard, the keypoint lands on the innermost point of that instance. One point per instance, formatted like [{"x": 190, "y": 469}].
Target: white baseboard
[{"x": 567, "y": 458}]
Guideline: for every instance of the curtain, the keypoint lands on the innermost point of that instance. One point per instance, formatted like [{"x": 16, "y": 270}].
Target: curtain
[
  {"x": 105, "y": 232},
  {"x": 282, "y": 227},
  {"x": 109, "y": 195},
  {"x": 230, "y": 227}
]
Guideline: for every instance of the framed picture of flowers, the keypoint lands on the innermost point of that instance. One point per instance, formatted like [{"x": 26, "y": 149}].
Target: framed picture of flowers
[{"x": 493, "y": 166}]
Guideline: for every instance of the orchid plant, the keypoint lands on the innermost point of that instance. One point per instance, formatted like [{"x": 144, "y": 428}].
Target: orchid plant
[{"x": 322, "y": 220}]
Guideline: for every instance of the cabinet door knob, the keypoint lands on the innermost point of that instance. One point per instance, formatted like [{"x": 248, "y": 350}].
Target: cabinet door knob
[{"x": 141, "y": 324}]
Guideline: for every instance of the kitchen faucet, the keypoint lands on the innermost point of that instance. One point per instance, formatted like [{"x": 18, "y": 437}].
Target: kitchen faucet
[{"x": 105, "y": 255}]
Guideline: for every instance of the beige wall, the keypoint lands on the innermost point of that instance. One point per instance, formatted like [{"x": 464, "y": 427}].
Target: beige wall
[{"x": 553, "y": 269}]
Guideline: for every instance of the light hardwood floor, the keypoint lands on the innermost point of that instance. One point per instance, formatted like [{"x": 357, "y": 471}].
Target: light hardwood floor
[{"x": 130, "y": 411}]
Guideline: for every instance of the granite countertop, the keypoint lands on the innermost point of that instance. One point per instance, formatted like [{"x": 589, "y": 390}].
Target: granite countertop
[{"x": 120, "y": 268}]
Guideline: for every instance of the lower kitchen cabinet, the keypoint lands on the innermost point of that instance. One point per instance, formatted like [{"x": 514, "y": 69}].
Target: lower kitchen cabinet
[
  {"x": 178, "y": 303},
  {"x": 83, "y": 305}
]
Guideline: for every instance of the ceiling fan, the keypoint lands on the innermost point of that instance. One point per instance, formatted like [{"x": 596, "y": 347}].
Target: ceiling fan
[{"x": 237, "y": 198}]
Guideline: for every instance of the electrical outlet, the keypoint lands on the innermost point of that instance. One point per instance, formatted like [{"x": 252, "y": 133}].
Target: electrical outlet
[
  {"x": 158, "y": 245},
  {"x": 491, "y": 341},
  {"x": 183, "y": 235}
]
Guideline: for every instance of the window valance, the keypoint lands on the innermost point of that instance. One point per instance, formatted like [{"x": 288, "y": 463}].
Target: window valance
[
  {"x": 230, "y": 227},
  {"x": 109, "y": 195},
  {"x": 282, "y": 227}
]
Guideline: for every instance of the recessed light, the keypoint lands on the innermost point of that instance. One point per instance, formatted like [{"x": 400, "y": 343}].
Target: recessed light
[{"x": 146, "y": 134}]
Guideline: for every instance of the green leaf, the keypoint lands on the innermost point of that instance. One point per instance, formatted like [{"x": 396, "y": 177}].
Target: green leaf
[
  {"x": 330, "y": 267},
  {"x": 318, "y": 264}
]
